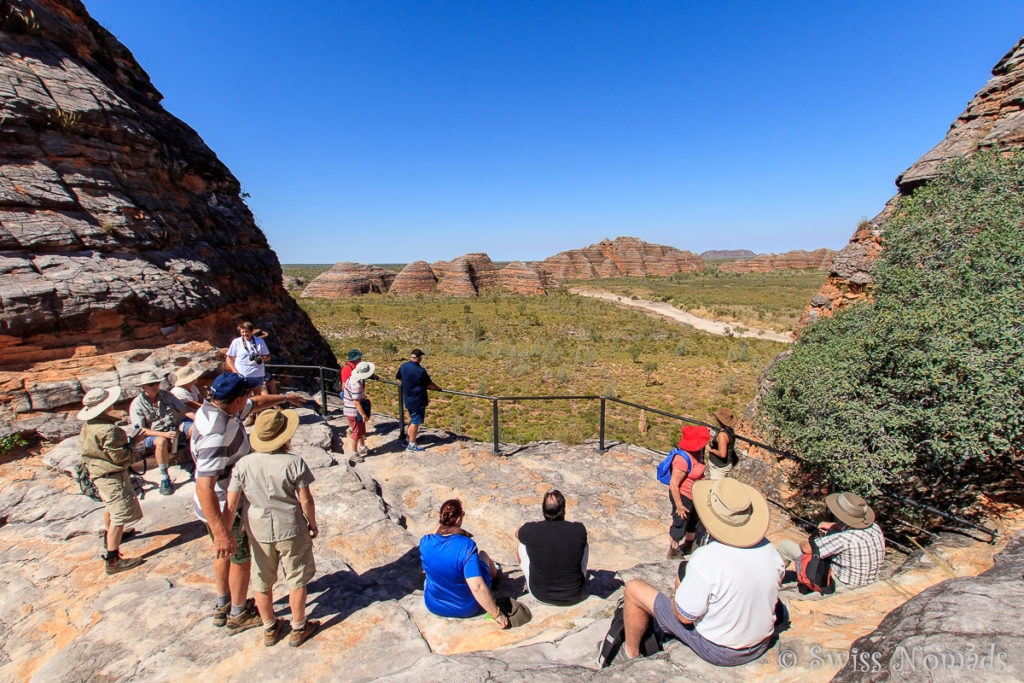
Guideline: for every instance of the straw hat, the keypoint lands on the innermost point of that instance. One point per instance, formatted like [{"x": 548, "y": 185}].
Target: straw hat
[
  {"x": 733, "y": 512},
  {"x": 364, "y": 370},
  {"x": 149, "y": 377},
  {"x": 694, "y": 438},
  {"x": 272, "y": 429},
  {"x": 726, "y": 417},
  {"x": 851, "y": 510},
  {"x": 98, "y": 400},
  {"x": 188, "y": 374}
]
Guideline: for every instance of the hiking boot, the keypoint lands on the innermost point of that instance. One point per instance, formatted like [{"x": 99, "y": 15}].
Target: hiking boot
[
  {"x": 364, "y": 451},
  {"x": 296, "y": 638},
  {"x": 115, "y": 564},
  {"x": 249, "y": 618},
  {"x": 273, "y": 634},
  {"x": 674, "y": 553},
  {"x": 220, "y": 615},
  {"x": 686, "y": 549},
  {"x": 356, "y": 458},
  {"x": 165, "y": 487}
]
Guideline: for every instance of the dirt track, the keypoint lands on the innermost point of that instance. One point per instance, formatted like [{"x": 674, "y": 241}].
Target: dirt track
[{"x": 672, "y": 313}]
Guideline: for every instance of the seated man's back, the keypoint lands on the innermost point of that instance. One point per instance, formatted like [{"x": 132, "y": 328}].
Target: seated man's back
[{"x": 556, "y": 550}]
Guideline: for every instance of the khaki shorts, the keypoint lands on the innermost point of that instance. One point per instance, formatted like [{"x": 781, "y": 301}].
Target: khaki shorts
[
  {"x": 118, "y": 495},
  {"x": 295, "y": 556}
]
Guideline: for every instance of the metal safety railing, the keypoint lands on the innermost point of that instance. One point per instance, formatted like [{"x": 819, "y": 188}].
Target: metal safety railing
[{"x": 321, "y": 374}]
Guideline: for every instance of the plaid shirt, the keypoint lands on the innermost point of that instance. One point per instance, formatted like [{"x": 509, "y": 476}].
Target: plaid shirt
[{"x": 856, "y": 554}]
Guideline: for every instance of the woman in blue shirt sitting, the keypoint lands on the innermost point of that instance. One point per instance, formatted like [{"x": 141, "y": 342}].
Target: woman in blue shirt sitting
[{"x": 459, "y": 576}]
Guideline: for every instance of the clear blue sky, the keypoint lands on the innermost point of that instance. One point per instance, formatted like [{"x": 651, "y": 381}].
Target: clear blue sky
[{"x": 384, "y": 131}]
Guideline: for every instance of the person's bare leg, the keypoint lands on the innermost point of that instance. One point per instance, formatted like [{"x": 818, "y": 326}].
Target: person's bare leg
[
  {"x": 221, "y": 569},
  {"x": 297, "y": 603},
  {"x": 114, "y": 536},
  {"x": 265, "y": 604},
  {"x": 238, "y": 582},
  {"x": 413, "y": 431},
  {"x": 106, "y": 520},
  {"x": 162, "y": 450},
  {"x": 637, "y": 613}
]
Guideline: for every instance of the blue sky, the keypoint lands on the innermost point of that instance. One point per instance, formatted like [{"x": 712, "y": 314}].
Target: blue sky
[{"x": 392, "y": 131}]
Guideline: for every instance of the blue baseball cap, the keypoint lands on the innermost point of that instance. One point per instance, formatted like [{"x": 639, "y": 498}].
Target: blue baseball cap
[{"x": 228, "y": 386}]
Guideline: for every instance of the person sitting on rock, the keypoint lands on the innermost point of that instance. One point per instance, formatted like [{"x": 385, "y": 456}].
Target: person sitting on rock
[
  {"x": 722, "y": 454},
  {"x": 159, "y": 416},
  {"x": 280, "y": 520},
  {"x": 107, "y": 454},
  {"x": 247, "y": 355},
  {"x": 684, "y": 473},
  {"x": 355, "y": 404},
  {"x": 218, "y": 442},
  {"x": 458, "y": 575},
  {"x": 186, "y": 389},
  {"x": 553, "y": 554},
  {"x": 853, "y": 543},
  {"x": 725, "y": 605}
]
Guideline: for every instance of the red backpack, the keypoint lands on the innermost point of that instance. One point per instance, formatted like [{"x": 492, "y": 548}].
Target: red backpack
[{"x": 815, "y": 573}]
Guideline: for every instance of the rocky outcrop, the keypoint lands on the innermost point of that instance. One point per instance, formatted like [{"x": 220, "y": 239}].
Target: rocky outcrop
[
  {"x": 521, "y": 278},
  {"x": 722, "y": 254},
  {"x": 993, "y": 119},
  {"x": 348, "y": 279},
  {"x": 470, "y": 275},
  {"x": 623, "y": 256},
  {"x": 415, "y": 278},
  {"x": 819, "y": 259},
  {"x": 959, "y": 629},
  {"x": 120, "y": 231}
]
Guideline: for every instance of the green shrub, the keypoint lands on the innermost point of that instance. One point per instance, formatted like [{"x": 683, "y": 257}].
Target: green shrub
[
  {"x": 923, "y": 388},
  {"x": 11, "y": 442}
]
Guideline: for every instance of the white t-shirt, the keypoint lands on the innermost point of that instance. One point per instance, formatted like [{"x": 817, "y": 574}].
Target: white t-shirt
[
  {"x": 730, "y": 593},
  {"x": 190, "y": 394},
  {"x": 239, "y": 352}
]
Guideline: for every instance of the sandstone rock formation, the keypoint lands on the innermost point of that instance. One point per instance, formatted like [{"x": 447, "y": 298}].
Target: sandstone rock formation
[
  {"x": 456, "y": 278},
  {"x": 522, "y": 278},
  {"x": 347, "y": 279},
  {"x": 993, "y": 119},
  {"x": 119, "y": 229},
  {"x": 819, "y": 259},
  {"x": 720, "y": 254},
  {"x": 415, "y": 278},
  {"x": 623, "y": 256}
]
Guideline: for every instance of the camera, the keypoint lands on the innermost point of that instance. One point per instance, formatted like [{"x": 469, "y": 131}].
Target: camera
[{"x": 255, "y": 358}]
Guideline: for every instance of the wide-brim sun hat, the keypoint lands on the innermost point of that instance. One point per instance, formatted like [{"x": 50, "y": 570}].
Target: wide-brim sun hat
[
  {"x": 149, "y": 377},
  {"x": 851, "y": 510},
  {"x": 726, "y": 417},
  {"x": 187, "y": 375},
  {"x": 354, "y": 354},
  {"x": 96, "y": 401},
  {"x": 272, "y": 429},
  {"x": 733, "y": 513},
  {"x": 694, "y": 438},
  {"x": 363, "y": 370}
]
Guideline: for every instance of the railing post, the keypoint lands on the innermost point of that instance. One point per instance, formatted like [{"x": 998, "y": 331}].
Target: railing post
[
  {"x": 600, "y": 446},
  {"x": 323, "y": 394},
  {"x": 494, "y": 414},
  {"x": 401, "y": 413}
]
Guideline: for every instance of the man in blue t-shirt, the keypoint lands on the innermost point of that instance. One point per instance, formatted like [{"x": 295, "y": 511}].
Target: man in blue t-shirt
[{"x": 415, "y": 382}]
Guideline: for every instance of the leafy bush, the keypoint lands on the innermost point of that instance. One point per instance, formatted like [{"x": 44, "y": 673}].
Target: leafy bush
[
  {"x": 11, "y": 442},
  {"x": 923, "y": 388}
]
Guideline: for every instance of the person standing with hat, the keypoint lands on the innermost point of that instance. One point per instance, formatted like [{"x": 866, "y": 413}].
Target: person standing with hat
[
  {"x": 280, "y": 520},
  {"x": 685, "y": 471},
  {"x": 854, "y": 544},
  {"x": 722, "y": 454},
  {"x": 724, "y": 607},
  {"x": 107, "y": 453},
  {"x": 158, "y": 415},
  {"x": 247, "y": 355},
  {"x": 356, "y": 409},
  {"x": 415, "y": 383}
]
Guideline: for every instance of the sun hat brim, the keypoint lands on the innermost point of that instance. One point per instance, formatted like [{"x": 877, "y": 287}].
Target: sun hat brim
[
  {"x": 89, "y": 412},
  {"x": 356, "y": 375},
  {"x": 832, "y": 502},
  {"x": 270, "y": 445},
  {"x": 189, "y": 373},
  {"x": 745, "y": 536}
]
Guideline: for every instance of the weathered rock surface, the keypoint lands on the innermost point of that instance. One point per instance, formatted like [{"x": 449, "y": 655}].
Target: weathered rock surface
[
  {"x": 456, "y": 278},
  {"x": 819, "y": 259},
  {"x": 119, "y": 228},
  {"x": 961, "y": 627},
  {"x": 347, "y": 279},
  {"x": 523, "y": 278},
  {"x": 993, "y": 119},
  {"x": 415, "y": 278},
  {"x": 623, "y": 256},
  {"x": 719, "y": 254}
]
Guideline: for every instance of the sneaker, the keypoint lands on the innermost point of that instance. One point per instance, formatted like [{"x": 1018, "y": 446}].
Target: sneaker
[
  {"x": 356, "y": 459},
  {"x": 165, "y": 487},
  {"x": 249, "y": 618},
  {"x": 363, "y": 451},
  {"x": 273, "y": 634},
  {"x": 115, "y": 564},
  {"x": 413, "y": 447},
  {"x": 296, "y": 638}
]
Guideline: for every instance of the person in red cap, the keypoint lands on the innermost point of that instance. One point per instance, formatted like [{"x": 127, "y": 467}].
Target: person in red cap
[{"x": 685, "y": 471}]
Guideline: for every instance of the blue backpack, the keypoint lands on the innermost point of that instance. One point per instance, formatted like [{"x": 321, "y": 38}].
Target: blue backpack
[{"x": 665, "y": 468}]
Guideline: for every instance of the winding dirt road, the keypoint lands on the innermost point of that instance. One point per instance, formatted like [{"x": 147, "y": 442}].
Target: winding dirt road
[{"x": 672, "y": 313}]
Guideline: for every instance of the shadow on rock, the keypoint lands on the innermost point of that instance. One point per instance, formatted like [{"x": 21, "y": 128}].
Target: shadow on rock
[{"x": 183, "y": 533}]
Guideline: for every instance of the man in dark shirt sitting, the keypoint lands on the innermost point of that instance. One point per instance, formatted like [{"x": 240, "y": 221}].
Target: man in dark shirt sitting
[{"x": 553, "y": 554}]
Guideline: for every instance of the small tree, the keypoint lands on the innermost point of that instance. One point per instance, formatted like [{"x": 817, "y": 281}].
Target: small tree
[{"x": 649, "y": 369}]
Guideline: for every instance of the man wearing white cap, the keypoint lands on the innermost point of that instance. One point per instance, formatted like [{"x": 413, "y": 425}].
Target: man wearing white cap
[
  {"x": 156, "y": 413},
  {"x": 724, "y": 607},
  {"x": 107, "y": 454}
]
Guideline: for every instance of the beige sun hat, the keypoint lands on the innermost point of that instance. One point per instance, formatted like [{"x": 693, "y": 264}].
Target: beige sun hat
[
  {"x": 149, "y": 377},
  {"x": 851, "y": 510},
  {"x": 98, "y": 400},
  {"x": 733, "y": 512},
  {"x": 189, "y": 373},
  {"x": 364, "y": 370},
  {"x": 272, "y": 429}
]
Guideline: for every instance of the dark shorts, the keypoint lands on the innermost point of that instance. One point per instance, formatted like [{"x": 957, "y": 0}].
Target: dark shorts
[
  {"x": 719, "y": 655},
  {"x": 416, "y": 416},
  {"x": 241, "y": 555},
  {"x": 678, "y": 533},
  {"x": 255, "y": 382}
]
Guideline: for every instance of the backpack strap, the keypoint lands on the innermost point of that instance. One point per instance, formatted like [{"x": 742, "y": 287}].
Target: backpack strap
[{"x": 686, "y": 456}]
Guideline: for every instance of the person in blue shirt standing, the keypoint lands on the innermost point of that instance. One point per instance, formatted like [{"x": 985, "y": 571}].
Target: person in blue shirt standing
[{"x": 415, "y": 383}]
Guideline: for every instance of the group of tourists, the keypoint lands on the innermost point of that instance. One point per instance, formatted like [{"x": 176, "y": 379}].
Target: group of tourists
[{"x": 254, "y": 497}]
